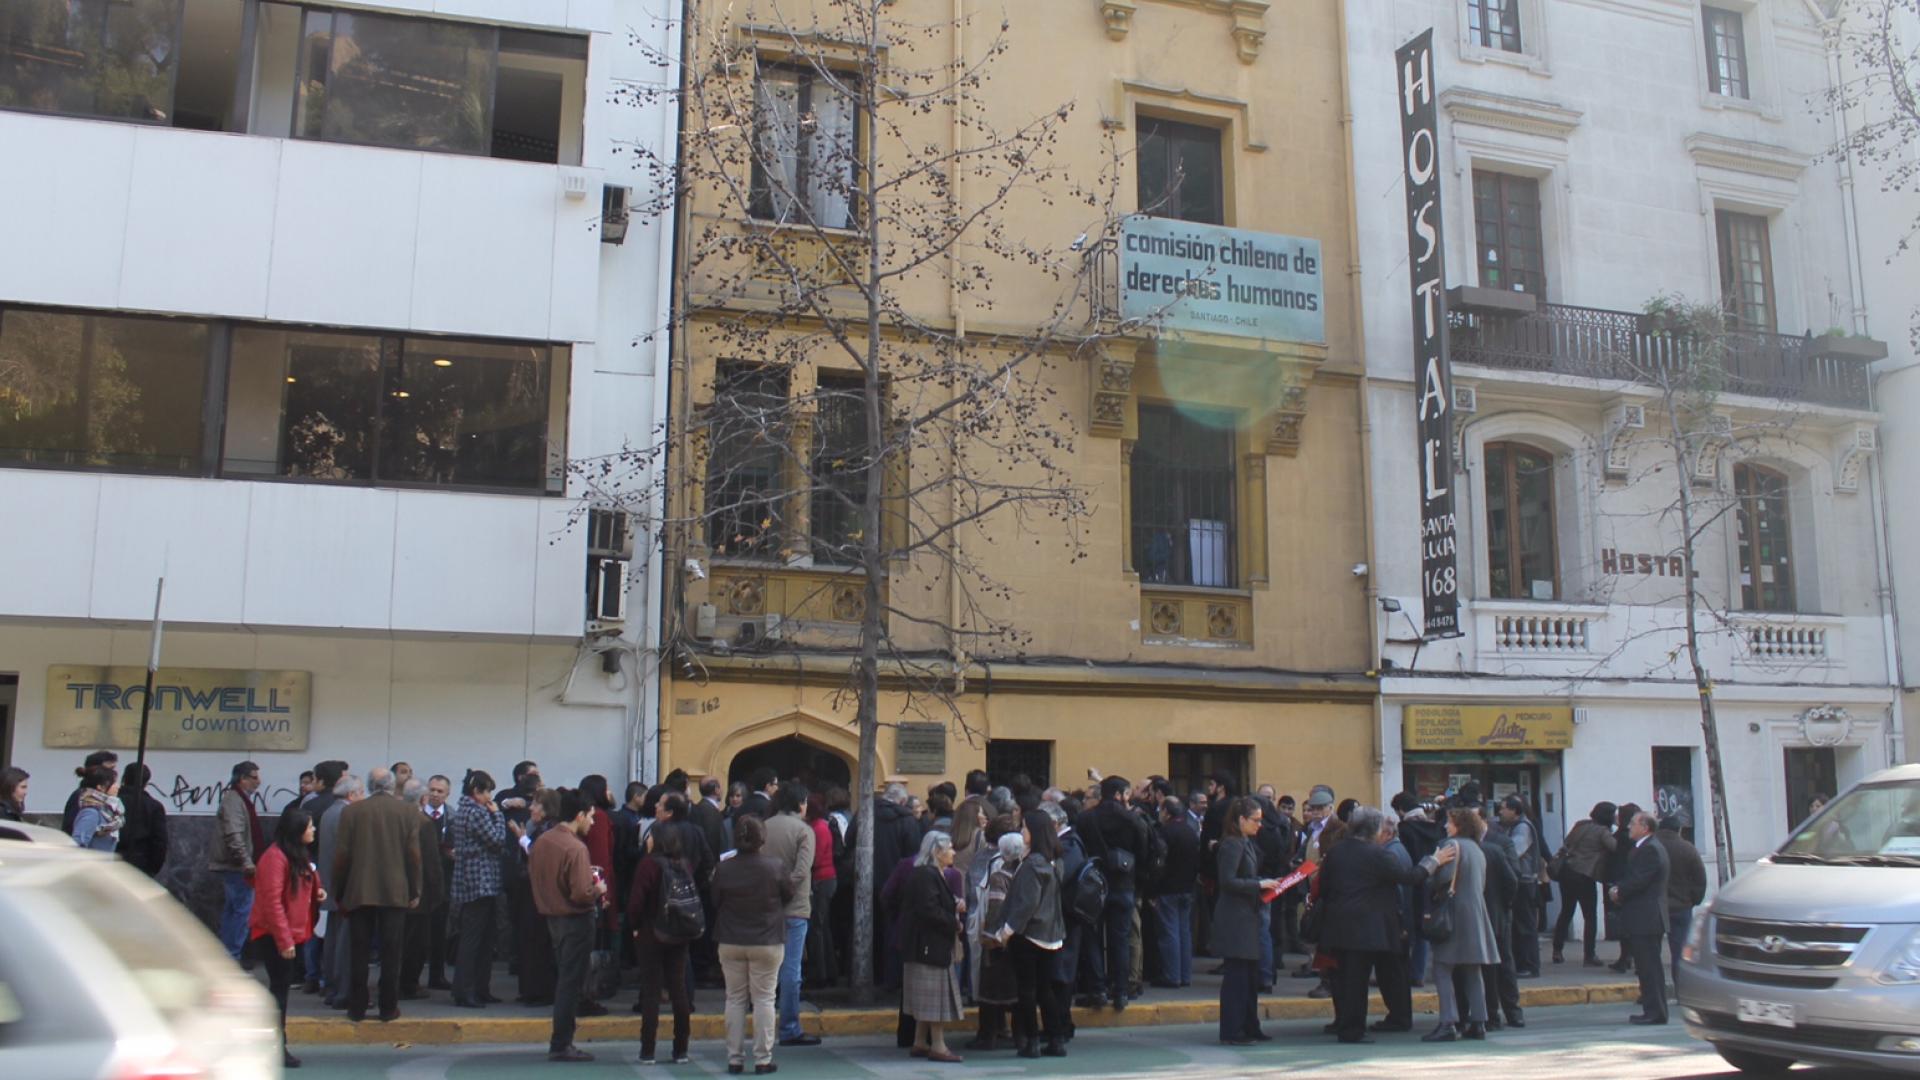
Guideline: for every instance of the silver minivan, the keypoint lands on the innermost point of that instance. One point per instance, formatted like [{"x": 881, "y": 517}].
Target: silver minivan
[{"x": 1814, "y": 954}]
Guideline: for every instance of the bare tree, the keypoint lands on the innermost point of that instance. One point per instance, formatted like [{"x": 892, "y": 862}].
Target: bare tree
[{"x": 843, "y": 207}]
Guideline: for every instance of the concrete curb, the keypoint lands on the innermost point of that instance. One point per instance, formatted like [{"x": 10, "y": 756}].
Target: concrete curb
[{"x": 445, "y": 1031}]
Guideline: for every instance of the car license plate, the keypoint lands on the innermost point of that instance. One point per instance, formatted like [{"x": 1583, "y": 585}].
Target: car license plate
[{"x": 1766, "y": 1012}]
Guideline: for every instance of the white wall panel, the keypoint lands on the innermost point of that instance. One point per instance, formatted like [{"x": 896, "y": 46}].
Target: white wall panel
[
  {"x": 199, "y": 223},
  {"x": 344, "y": 235},
  {"x": 464, "y": 564},
  {"x": 46, "y": 546},
  {"x": 64, "y": 184},
  {"x": 194, "y": 531},
  {"x": 485, "y": 258},
  {"x": 320, "y": 556}
]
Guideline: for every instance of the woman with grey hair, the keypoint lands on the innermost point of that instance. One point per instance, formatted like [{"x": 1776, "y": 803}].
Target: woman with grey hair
[
  {"x": 999, "y": 984},
  {"x": 930, "y": 935},
  {"x": 1463, "y": 887}
]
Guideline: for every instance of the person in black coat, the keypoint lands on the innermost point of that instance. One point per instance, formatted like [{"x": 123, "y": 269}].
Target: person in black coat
[
  {"x": 1617, "y": 870},
  {"x": 760, "y": 788},
  {"x": 1237, "y": 923},
  {"x": 1360, "y": 888},
  {"x": 1503, "y": 890},
  {"x": 1119, "y": 837},
  {"x": 143, "y": 839},
  {"x": 1642, "y": 898},
  {"x": 1173, "y": 900}
]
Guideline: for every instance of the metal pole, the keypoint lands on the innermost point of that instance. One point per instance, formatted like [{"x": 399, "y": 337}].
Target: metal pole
[{"x": 153, "y": 667}]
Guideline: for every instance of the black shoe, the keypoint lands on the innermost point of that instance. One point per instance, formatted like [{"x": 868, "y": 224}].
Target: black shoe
[
  {"x": 571, "y": 1053},
  {"x": 489, "y": 999},
  {"x": 1260, "y": 1036},
  {"x": 311, "y": 986},
  {"x": 1642, "y": 1018},
  {"x": 439, "y": 984},
  {"x": 735, "y": 1068},
  {"x": 762, "y": 1070},
  {"x": 1492, "y": 1025},
  {"x": 1516, "y": 1021},
  {"x": 1592, "y": 961},
  {"x": 389, "y": 1017},
  {"x": 1352, "y": 1040},
  {"x": 463, "y": 1003},
  {"x": 356, "y": 1017},
  {"x": 1028, "y": 1049},
  {"x": 1053, "y": 1049},
  {"x": 1330, "y": 1028},
  {"x": 1120, "y": 1003},
  {"x": 801, "y": 1040},
  {"x": 287, "y": 1060},
  {"x": 590, "y": 1008},
  {"x": 1386, "y": 1026},
  {"x": 1239, "y": 1042},
  {"x": 1443, "y": 1033},
  {"x": 1475, "y": 1031},
  {"x": 1620, "y": 967}
]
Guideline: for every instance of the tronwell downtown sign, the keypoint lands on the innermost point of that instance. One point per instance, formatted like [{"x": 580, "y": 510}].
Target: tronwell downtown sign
[
  {"x": 193, "y": 708},
  {"x": 1189, "y": 276}
]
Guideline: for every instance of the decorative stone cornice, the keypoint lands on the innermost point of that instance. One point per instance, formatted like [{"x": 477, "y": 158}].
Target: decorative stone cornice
[
  {"x": 1509, "y": 113},
  {"x": 1118, "y": 15},
  {"x": 1856, "y": 444},
  {"x": 1249, "y": 17},
  {"x": 1745, "y": 156}
]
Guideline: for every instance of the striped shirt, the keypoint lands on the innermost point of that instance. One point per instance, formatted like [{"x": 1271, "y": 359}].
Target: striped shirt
[{"x": 479, "y": 836}]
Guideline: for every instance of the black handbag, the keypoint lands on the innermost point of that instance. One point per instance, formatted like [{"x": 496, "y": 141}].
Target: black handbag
[
  {"x": 1436, "y": 922},
  {"x": 1313, "y": 921}
]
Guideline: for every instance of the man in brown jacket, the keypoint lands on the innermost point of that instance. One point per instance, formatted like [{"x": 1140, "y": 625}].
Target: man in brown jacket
[
  {"x": 376, "y": 881},
  {"x": 565, "y": 892}
]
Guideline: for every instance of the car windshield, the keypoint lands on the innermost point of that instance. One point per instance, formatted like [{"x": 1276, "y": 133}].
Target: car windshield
[{"x": 1872, "y": 825}]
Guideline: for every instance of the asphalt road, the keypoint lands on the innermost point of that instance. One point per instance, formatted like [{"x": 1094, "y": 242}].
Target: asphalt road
[{"x": 1591, "y": 1041}]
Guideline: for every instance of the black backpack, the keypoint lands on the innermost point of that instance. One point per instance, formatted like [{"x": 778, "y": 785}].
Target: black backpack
[
  {"x": 681, "y": 917},
  {"x": 1087, "y": 894}
]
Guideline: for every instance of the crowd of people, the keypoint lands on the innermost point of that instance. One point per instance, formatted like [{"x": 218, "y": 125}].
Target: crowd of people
[{"x": 1023, "y": 901}]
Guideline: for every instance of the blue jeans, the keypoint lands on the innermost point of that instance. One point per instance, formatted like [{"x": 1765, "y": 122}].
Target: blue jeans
[
  {"x": 234, "y": 911},
  {"x": 790, "y": 965},
  {"x": 1679, "y": 929},
  {"x": 310, "y": 958},
  {"x": 1266, "y": 947},
  {"x": 1417, "y": 971},
  {"x": 1175, "y": 925},
  {"x": 1118, "y": 918}
]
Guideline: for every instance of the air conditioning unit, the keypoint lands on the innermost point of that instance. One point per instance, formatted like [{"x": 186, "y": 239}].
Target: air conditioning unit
[
  {"x": 616, "y": 211},
  {"x": 610, "y": 533},
  {"x": 1466, "y": 399},
  {"x": 1633, "y": 417},
  {"x": 607, "y": 590}
]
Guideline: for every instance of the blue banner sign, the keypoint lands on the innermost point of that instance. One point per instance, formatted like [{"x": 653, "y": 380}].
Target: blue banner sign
[{"x": 1188, "y": 276}]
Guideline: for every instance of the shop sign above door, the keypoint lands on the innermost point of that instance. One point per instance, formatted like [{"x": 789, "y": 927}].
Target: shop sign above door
[
  {"x": 1487, "y": 727},
  {"x": 193, "y": 708}
]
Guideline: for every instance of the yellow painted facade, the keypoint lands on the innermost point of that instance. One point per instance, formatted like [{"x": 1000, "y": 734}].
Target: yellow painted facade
[{"x": 1112, "y": 671}]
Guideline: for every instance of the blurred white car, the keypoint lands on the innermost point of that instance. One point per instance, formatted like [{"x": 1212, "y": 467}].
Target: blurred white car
[
  {"x": 22, "y": 832},
  {"x": 103, "y": 976}
]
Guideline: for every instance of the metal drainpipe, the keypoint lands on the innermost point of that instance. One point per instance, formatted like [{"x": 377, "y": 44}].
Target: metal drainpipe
[{"x": 1357, "y": 318}]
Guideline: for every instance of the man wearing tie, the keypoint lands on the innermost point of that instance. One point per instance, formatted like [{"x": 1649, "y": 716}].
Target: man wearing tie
[
  {"x": 427, "y": 930},
  {"x": 1642, "y": 900}
]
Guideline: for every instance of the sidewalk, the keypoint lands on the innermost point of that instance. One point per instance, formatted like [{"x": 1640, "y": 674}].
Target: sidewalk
[{"x": 436, "y": 1022}]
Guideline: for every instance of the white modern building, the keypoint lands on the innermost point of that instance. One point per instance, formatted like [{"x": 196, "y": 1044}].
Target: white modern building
[
  {"x": 308, "y": 309},
  {"x": 1593, "y": 156}
]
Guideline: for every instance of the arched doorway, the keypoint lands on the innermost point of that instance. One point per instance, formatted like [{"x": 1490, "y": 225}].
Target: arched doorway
[{"x": 793, "y": 758}]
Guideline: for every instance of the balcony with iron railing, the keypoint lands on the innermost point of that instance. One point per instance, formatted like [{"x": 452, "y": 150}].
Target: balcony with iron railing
[{"x": 1595, "y": 343}]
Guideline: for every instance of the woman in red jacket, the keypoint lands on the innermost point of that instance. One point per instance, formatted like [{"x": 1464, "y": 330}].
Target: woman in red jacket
[{"x": 286, "y": 900}]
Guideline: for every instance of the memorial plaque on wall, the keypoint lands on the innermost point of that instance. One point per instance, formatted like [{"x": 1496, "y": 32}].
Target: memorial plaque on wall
[{"x": 920, "y": 748}]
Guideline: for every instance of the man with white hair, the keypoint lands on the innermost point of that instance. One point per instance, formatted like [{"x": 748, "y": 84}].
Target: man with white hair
[
  {"x": 377, "y": 877},
  {"x": 347, "y": 789}
]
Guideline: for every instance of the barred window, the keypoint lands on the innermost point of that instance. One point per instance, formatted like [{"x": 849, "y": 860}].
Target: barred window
[
  {"x": 748, "y": 437},
  {"x": 1494, "y": 24},
  {"x": 1765, "y": 539},
  {"x": 839, "y": 468},
  {"x": 1182, "y": 497},
  {"x": 1726, "y": 52},
  {"x": 1506, "y": 221}
]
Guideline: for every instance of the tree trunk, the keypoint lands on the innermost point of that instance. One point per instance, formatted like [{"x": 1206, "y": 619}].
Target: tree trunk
[{"x": 1702, "y": 681}]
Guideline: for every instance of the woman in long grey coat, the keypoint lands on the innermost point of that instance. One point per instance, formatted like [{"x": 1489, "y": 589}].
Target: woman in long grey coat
[
  {"x": 1238, "y": 924},
  {"x": 1473, "y": 942}
]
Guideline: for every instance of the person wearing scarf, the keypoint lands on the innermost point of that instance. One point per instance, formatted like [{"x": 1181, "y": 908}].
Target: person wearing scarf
[{"x": 97, "y": 822}]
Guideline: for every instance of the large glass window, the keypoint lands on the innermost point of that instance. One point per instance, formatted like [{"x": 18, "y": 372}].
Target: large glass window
[
  {"x": 1726, "y": 52},
  {"x": 1182, "y": 497},
  {"x": 748, "y": 446},
  {"x": 327, "y": 406},
  {"x": 1506, "y": 222},
  {"x": 1179, "y": 171},
  {"x": 839, "y": 471},
  {"x": 98, "y": 390},
  {"x": 414, "y": 83},
  {"x": 806, "y": 147},
  {"x": 106, "y": 58},
  {"x": 1746, "y": 270},
  {"x": 1765, "y": 538},
  {"x": 1521, "y": 559},
  {"x": 1494, "y": 24}
]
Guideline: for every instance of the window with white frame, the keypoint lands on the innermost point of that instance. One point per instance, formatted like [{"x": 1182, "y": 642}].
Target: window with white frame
[
  {"x": 806, "y": 146},
  {"x": 1494, "y": 24}
]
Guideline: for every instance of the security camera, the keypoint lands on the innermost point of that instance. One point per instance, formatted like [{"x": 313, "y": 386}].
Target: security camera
[
  {"x": 698, "y": 572},
  {"x": 1359, "y": 569}
]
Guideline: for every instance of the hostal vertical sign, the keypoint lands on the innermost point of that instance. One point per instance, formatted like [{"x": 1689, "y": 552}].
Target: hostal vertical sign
[{"x": 1426, "y": 273}]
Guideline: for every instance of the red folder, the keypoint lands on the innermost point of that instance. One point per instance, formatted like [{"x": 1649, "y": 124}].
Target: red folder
[{"x": 1307, "y": 870}]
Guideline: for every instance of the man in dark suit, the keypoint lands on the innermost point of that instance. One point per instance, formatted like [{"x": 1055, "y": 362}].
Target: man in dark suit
[
  {"x": 376, "y": 880},
  {"x": 1360, "y": 885},
  {"x": 1504, "y": 885},
  {"x": 428, "y": 921},
  {"x": 1642, "y": 899},
  {"x": 760, "y": 788},
  {"x": 707, "y": 815}
]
